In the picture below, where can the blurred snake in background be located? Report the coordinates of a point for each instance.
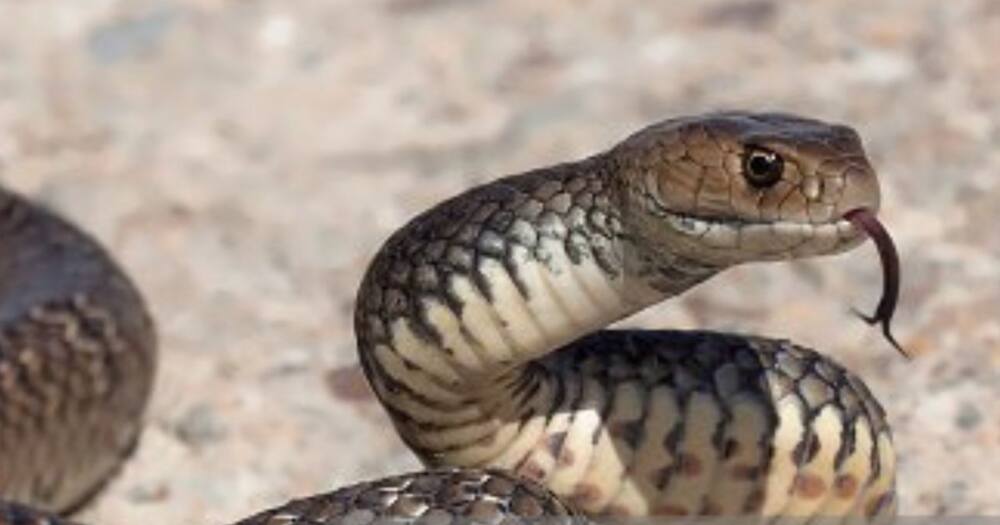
(480, 326)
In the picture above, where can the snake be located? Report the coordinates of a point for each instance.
(482, 326)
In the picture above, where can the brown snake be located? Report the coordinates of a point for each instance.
(479, 327)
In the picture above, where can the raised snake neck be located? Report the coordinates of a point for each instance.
(469, 325)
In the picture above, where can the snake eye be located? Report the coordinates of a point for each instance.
(762, 168)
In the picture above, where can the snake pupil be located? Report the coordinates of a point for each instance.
(763, 168)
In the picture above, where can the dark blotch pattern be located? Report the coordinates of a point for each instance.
(724, 367)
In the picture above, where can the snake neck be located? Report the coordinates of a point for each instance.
(461, 300)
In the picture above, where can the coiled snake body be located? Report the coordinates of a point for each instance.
(479, 327)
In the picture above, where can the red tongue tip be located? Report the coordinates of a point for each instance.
(864, 219)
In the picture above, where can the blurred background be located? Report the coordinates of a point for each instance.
(244, 159)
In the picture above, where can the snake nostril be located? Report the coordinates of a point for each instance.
(812, 188)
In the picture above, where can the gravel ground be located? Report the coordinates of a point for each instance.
(244, 159)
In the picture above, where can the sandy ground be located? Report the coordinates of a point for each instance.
(245, 159)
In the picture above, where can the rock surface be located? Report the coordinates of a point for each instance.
(245, 159)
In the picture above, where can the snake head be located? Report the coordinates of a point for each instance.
(741, 187)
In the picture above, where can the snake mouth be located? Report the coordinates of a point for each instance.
(842, 222)
(767, 240)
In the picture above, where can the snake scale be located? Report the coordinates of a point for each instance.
(480, 326)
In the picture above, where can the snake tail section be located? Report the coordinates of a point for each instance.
(438, 497)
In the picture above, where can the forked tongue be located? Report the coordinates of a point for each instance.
(865, 220)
